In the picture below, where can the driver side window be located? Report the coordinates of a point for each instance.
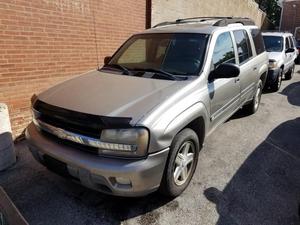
(223, 51)
(287, 44)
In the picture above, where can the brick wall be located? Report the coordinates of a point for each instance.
(290, 15)
(163, 10)
(43, 42)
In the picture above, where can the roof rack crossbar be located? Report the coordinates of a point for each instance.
(221, 21)
(203, 18)
(233, 20)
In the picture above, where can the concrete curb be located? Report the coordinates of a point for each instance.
(7, 151)
(9, 212)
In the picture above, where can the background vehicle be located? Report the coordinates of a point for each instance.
(137, 125)
(297, 41)
(298, 49)
(282, 55)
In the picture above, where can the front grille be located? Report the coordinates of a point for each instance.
(77, 122)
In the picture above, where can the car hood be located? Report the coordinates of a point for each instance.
(112, 95)
(277, 56)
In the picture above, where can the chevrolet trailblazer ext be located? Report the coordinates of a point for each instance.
(137, 124)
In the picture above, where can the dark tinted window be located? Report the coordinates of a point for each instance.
(258, 41)
(223, 51)
(243, 45)
(287, 43)
(273, 43)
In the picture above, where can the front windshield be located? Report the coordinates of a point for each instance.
(273, 43)
(178, 54)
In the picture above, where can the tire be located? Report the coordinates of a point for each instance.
(290, 73)
(174, 183)
(253, 106)
(277, 84)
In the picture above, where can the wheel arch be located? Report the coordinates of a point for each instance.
(198, 126)
(263, 78)
(195, 118)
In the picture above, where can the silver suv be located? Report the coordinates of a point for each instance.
(137, 124)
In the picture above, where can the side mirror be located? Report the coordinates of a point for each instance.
(225, 70)
(107, 59)
(290, 50)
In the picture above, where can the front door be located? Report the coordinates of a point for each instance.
(224, 93)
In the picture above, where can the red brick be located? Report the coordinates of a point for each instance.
(45, 42)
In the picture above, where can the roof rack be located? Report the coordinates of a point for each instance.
(221, 21)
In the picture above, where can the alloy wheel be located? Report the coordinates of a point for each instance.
(183, 163)
(257, 98)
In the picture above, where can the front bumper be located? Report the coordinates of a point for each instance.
(96, 172)
(272, 76)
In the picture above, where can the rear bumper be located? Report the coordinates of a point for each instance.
(96, 172)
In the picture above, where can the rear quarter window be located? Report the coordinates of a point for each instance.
(258, 41)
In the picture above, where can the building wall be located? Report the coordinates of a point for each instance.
(43, 42)
(290, 15)
(164, 10)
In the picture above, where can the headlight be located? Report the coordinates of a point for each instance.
(273, 64)
(131, 141)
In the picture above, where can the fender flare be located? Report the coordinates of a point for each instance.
(196, 111)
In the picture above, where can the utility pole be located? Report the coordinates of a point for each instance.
(294, 20)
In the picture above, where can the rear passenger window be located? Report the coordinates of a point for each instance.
(223, 51)
(243, 45)
(258, 41)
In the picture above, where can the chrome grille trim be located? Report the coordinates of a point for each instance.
(67, 135)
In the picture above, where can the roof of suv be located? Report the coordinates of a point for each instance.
(204, 25)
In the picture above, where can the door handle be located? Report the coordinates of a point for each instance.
(237, 80)
(255, 68)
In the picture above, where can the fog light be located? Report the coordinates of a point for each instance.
(123, 181)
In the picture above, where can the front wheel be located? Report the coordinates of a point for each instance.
(181, 164)
(253, 106)
(290, 73)
(277, 84)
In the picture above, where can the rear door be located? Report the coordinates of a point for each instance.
(248, 68)
(261, 58)
(224, 93)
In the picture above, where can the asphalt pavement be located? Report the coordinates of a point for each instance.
(248, 173)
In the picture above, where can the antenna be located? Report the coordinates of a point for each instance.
(95, 34)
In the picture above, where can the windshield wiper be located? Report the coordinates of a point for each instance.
(160, 72)
(118, 66)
